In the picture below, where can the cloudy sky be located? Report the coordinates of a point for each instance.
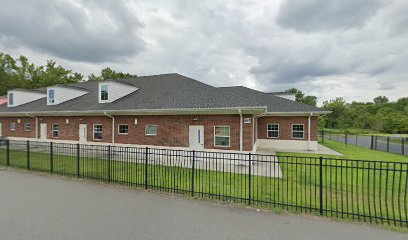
(357, 49)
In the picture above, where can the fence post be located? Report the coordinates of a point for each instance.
(388, 144)
(51, 157)
(78, 160)
(146, 167)
(375, 142)
(192, 174)
(403, 146)
(28, 155)
(321, 184)
(8, 152)
(372, 142)
(345, 138)
(322, 136)
(249, 179)
(109, 163)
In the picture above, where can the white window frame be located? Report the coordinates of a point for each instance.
(93, 132)
(100, 92)
(48, 97)
(123, 125)
(10, 103)
(298, 131)
(25, 127)
(149, 134)
(12, 128)
(52, 130)
(267, 130)
(229, 137)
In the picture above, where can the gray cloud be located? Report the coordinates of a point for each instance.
(355, 49)
(91, 31)
(326, 15)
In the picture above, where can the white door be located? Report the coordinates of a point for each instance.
(82, 133)
(43, 131)
(196, 137)
(1, 132)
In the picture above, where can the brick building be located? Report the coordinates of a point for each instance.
(168, 110)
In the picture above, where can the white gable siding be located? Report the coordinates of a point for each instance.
(287, 96)
(116, 91)
(62, 94)
(22, 97)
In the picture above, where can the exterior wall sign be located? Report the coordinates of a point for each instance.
(247, 120)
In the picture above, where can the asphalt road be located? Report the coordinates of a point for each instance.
(47, 207)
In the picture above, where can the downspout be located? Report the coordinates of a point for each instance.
(36, 124)
(240, 129)
(308, 130)
(113, 126)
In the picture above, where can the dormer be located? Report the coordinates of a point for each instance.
(112, 90)
(19, 96)
(61, 93)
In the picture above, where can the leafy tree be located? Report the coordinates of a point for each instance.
(20, 73)
(381, 100)
(108, 73)
(300, 97)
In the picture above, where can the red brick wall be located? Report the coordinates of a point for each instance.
(19, 132)
(285, 127)
(172, 130)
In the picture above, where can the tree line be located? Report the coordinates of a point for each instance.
(380, 115)
(20, 73)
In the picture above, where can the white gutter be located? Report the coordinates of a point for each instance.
(113, 126)
(240, 130)
(308, 130)
(226, 110)
(36, 124)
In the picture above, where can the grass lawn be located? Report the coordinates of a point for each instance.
(354, 152)
(350, 189)
(359, 131)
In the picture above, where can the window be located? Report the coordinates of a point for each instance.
(298, 131)
(97, 131)
(273, 130)
(104, 92)
(221, 136)
(12, 126)
(55, 130)
(123, 129)
(51, 94)
(11, 99)
(27, 127)
(151, 130)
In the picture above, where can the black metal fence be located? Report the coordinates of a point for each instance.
(370, 191)
(398, 145)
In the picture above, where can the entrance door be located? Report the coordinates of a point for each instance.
(1, 132)
(196, 137)
(82, 133)
(43, 131)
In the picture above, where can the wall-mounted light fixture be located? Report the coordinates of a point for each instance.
(19, 120)
(195, 119)
(135, 121)
(66, 121)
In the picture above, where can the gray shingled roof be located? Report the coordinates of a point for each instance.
(274, 103)
(166, 91)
